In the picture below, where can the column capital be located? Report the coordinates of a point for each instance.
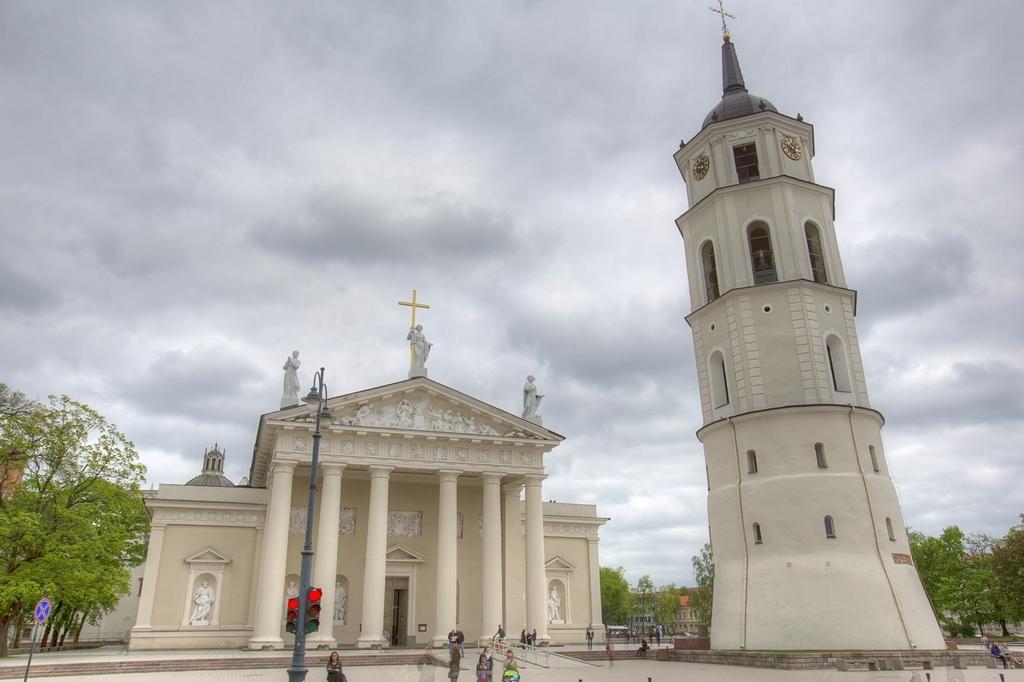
(530, 480)
(282, 467)
(379, 471)
(449, 474)
(332, 468)
(593, 541)
(512, 488)
(491, 477)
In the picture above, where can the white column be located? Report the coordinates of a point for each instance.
(266, 632)
(144, 620)
(447, 555)
(536, 582)
(376, 560)
(325, 561)
(515, 580)
(595, 585)
(491, 578)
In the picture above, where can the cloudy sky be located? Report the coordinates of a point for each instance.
(191, 190)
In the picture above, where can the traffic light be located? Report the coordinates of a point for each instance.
(313, 597)
(293, 615)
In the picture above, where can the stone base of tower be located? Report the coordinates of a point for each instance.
(809, 544)
(843, 602)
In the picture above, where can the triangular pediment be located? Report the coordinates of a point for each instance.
(208, 556)
(559, 563)
(404, 555)
(421, 405)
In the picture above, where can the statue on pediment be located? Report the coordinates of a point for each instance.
(531, 399)
(420, 346)
(290, 394)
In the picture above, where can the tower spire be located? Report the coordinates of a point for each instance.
(732, 77)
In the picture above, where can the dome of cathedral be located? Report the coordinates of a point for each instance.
(212, 480)
(736, 101)
(212, 475)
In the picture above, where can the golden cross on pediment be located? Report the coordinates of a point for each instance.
(720, 10)
(414, 305)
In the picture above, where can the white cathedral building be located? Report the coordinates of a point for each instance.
(430, 516)
(809, 544)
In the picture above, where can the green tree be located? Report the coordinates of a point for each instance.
(1008, 570)
(666, 603)
(956, 570)
(615, 598)
(74, 525)
(704, 573)
(642, 594)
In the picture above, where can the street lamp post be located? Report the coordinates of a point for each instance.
(316, 397)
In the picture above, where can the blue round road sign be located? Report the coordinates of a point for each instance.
(42, 611)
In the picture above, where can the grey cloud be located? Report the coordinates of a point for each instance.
(439, 231)
(205, 383)
(898, 273)
(969, 392)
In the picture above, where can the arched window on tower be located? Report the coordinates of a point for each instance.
(707, 257)
(762, 260)
(830, 528)
(813, 235)
(874, 458)
(838, 365)
(757, 534)
(888, 528)
(751, 462)
(719, 380)
(819, 454)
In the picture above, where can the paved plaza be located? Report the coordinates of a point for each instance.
(562, 670)
(624, 671)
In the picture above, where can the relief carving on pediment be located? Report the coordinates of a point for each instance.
(420, 414)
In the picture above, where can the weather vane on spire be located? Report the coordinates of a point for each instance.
(721, 11)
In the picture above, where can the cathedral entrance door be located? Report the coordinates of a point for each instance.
(396, 610)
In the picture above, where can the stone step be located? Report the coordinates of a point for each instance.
(75, 668)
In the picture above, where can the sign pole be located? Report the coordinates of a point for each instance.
(31, 648)
(39, 615)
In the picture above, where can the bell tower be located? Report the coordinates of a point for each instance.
(809, 543)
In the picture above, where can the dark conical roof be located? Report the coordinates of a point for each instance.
(736, 101)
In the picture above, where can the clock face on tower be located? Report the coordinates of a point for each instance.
(791, 147)
(700, 166)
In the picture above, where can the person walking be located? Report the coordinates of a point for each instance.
(455, 664)
(522, 637)
(334, 671)
(484, 666)
(460, 639)
(590, 638)
(499, 636)
(453, 641)
(609, 649)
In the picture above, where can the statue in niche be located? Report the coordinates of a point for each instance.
(340, 598)
(405, 416)
(290, 395)
(203, 600)
(420, 346)
(531, 400)
(554, 604)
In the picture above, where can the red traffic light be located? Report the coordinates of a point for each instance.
(314, 594)
(293, 604)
